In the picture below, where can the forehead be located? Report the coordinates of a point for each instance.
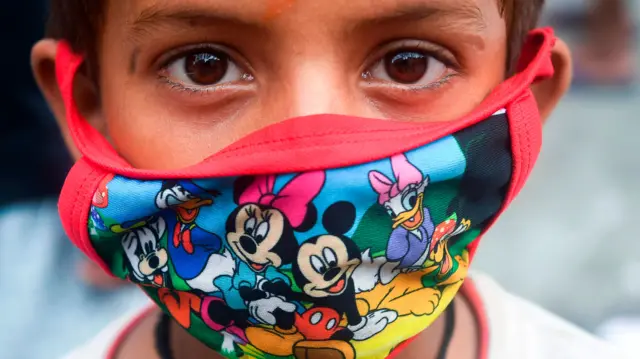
(277, 7)
(265, 11)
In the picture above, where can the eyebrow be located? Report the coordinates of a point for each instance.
(466, 12)
(154, 16)
(463, 13)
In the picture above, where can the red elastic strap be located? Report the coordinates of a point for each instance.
(311, 143)
(525, 128)
(89, 141)
(74, 207)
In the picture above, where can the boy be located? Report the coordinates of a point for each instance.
(359, 252)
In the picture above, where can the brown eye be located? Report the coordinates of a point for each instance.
(406, 67)
(206, 68)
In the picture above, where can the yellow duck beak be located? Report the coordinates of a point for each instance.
(196, 203)
(413, 218)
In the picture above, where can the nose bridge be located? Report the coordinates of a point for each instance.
(319, 85)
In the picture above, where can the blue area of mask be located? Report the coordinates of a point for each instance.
(130, 200)
(441, 160)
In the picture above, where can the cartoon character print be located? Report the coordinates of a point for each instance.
(180, 304)
(421, 254)
(96, 220)
(100, 200)
(186, 199)
(148, 266)
(323, 271)
(147, 261)
(439, 255)
(383, 286)
(404, 201)
(260, 234)
(322, 335)
(191, 248)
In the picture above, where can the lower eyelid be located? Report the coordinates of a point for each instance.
(226, 97)
(438, 83)
(178, 86)
(412, 88)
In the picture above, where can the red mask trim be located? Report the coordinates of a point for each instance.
(304, 143)
(313, 142)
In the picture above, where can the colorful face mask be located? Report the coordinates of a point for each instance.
(319, 237)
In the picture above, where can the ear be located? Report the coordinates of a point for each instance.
(310, 219)
(549, 91)
(43, 63)
(339, 218)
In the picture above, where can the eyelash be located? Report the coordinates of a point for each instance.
(432, 86)
(434, 51)
(176, 86)
(175, 55)
(437, 53)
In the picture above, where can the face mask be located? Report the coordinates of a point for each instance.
(319, 237)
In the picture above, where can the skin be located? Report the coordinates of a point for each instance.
(277, 7)
(329, 64)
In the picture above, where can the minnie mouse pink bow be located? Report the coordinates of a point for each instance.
(293, 199)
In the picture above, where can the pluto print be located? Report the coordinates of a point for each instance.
(322, 264)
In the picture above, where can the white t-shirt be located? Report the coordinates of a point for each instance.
(519, 329)
(511, 328)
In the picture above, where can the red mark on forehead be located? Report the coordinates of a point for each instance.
(276, 7)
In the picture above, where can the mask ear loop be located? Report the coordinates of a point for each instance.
(537, 51)
(91, 143)
(534, 65)
(82, 178)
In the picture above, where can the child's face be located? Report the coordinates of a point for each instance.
(197, 75)
(180, 80)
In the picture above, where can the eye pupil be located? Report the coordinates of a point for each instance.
(406, 67)
(206, 68)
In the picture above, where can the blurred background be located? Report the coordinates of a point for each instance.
(563, 244)
(48, 304)
(567, 242)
